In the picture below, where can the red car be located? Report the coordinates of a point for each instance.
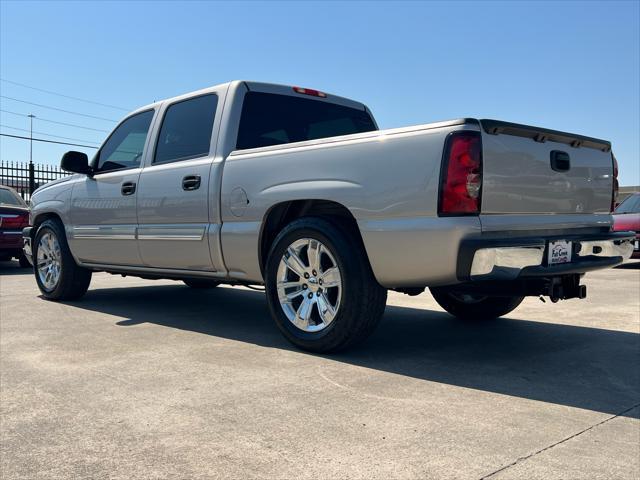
(14, 216)
(627, 217)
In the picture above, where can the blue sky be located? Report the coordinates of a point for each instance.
(569, 66)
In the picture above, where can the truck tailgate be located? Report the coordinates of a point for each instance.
(530, 170)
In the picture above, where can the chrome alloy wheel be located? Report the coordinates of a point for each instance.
(309, 285)
(49, 260)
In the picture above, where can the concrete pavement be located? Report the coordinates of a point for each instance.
(150, 379)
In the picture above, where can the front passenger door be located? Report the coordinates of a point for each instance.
(103, 214)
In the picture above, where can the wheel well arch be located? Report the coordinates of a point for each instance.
(281, 214)
(41, 218)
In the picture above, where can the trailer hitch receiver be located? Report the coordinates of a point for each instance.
(566, 287)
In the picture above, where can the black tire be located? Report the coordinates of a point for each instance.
(74, 280)
(24, 263)
(362, 301)
(200, 283)
(474, 307)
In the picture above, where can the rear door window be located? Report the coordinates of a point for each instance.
(186, 129)
(272, 119)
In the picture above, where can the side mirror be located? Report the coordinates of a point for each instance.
(76, 162)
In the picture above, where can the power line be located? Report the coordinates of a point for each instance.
(46, 141)
(63, 95)
(54, 121)
(58, 109)
(49, 134)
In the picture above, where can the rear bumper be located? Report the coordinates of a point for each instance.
(498, 259)
(10, 243)
(26, 244)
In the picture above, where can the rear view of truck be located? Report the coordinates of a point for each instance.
(543, 199)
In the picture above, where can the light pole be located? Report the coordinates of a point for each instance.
(31, 117)
(32, 180)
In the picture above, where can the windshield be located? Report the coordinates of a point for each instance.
(271, 119)
(629, 205)
(7, 197)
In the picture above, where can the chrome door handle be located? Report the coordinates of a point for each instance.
(191, 182)
(128, 188)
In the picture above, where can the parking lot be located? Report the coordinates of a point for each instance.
(150, 379)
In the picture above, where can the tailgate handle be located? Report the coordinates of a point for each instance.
(560, 161)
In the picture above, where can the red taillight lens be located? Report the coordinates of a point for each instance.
(14, 221)
(616, 185)
(461, 182)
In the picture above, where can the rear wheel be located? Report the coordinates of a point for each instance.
(200, 283)
(471, 306)
(320, 288)
(57, 274)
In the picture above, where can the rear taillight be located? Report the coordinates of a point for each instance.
(616, 185)
(12, 221)
(461, 175)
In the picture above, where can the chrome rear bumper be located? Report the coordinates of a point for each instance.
(503, 263)
(507, 260)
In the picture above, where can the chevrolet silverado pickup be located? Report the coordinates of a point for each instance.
(298, 190)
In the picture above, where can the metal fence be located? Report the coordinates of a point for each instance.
(25, 177)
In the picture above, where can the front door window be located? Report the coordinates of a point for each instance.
(124, 147)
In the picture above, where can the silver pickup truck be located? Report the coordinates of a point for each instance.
(297, 190)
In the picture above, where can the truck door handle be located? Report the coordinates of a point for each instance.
(128, 188)
(191, 182)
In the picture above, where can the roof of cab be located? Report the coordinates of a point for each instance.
(254, 86)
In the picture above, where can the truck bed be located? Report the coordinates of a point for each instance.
(390, 179)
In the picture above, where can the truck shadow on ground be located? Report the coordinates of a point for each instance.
(12, 267)
(580, 367)
(630, 265)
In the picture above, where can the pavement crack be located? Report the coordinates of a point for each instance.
(549, 447)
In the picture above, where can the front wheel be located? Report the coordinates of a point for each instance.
(57, 274)
(471, 306)
(320, 288)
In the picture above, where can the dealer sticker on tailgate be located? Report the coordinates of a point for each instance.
(559, 252)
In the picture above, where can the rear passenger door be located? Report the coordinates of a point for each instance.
(174, 227)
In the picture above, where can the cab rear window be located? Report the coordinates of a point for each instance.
(271, 119)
